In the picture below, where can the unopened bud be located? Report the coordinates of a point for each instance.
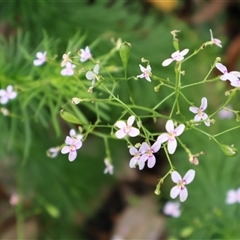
(76, 100)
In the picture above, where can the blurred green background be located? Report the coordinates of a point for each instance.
(64, 200)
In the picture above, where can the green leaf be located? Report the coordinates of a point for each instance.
(69, 117)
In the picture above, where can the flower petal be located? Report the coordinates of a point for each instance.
(151, 161)
(167, 62)
(134, 132)
(120, 134)
(78, 144)
(176, 177)
(90, 75)
(156, 146)
(142, 68)
(65, 150)
(174, 192)
(169, 126)
(130, 120)
(72, 133)
(183, 194)
(189, 176)
(184, 52)
(120, 124)
(72, 156)
(172, 145)
(133, 151)
(69, 141)
(144, 147)
(163, 137)
(193, 109)
(204, 103)
(133, 162)
(221, 68)
(179, 130)
(96, 68)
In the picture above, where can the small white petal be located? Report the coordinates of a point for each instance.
(174, 192)
(151, 161)
(120, 134)
(72, 156)
(65, 150)
(96, 68)
(156, 146)
(167, 62)
(172, 145)
(133, 162)
(169, 126)
(134, 132)
(144, 147)
(130, 120)
(184, 52)
(221, 68)
(183, 194)
(176, 177)
(189, 176)
(204, 103)
(120, 124)
(179, 129)
(163, 138)
(193, 109)
(133, 151)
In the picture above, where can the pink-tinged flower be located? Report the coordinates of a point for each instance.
(215, 40)
(73, 145)
(68, 71)
(136, 157)
(14, 199)
(180, 189)
(200, 114)
(146, 72)
(53, 152)
(236, 82)
(41, 58)
(92, 75)
(172, 209)
(231, 76)
(109, 166)
(233, 196)
(8, 94)
(66, 59)
(176, 56)
(147, 154)
(126, 128)
(85, 54)
(226, 113)
(171, 135)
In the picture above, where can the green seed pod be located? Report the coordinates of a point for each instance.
(228, 150)
(124, 52)
(69, 117)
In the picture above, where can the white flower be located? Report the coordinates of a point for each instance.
(226, 113)
(68, 71)
(85, 54)
(231, 76)
(146, 72)
(215, 40)
(200, 114)
(147, 154)
(66, 59)
(92, 75)
(136, 157)
(172, 209)
(176, 56)
(73, 145)
(180, 189)
(109, 166)
(233, 196)
(126, 128)
(6, 95)
(171, 135)
(41, 58)
(53, 152)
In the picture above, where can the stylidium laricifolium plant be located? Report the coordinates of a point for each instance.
(100, 84)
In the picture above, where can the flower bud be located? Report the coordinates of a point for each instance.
(76, 101)
(124, 52)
